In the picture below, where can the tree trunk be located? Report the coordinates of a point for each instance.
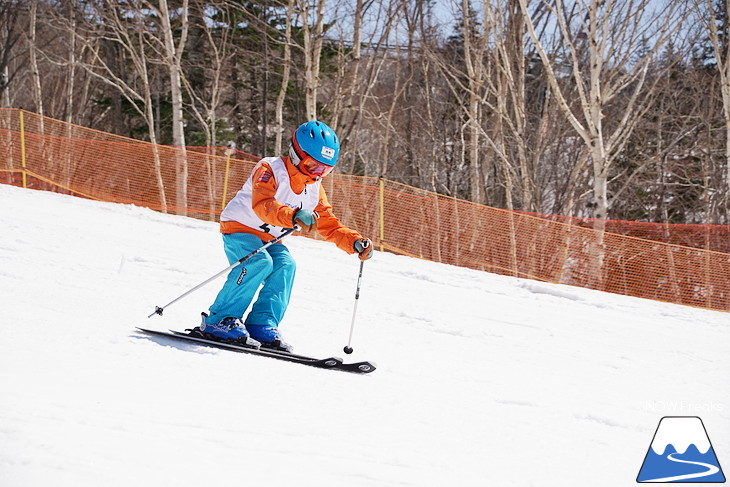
(286, 70)
(70, 86)
(313, 38)
(721, 48)
(33, 56)
(173, 57)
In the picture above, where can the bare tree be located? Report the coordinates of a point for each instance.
(285, 77)
(170, 50)
(13, 21)
(33, 57)
(475, 60)
(361, 61)
(388, 100)
(490, 80)
(608, 57)
(217, 48)
(126, 30)
(312, 51)
(721, 51)
(130, 28)
(70, 12)
(206, 100)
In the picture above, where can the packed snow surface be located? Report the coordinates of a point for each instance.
(482, 379)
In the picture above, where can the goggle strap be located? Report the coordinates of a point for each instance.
(298, 150)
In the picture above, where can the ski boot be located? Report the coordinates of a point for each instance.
(269, 337)
(229, 330)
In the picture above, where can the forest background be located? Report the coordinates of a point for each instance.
(613, 109)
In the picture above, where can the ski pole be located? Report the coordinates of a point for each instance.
(348, 347)
(160, 309)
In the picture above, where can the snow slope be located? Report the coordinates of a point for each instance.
(482, 379)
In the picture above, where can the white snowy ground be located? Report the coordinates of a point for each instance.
(482, 379)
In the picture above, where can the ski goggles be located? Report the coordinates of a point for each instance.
(314, 168)
(308, 164)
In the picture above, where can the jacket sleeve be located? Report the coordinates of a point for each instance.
(331, 229)
(263, 199)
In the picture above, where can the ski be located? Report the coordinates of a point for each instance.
(323, 363)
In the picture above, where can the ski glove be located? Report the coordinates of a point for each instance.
(364, 247)
(306, 219)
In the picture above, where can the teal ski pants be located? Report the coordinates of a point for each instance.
(274, 268)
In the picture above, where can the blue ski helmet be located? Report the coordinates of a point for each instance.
(316, 140)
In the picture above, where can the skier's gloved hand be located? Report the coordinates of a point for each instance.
(306, 219)
(364, 247)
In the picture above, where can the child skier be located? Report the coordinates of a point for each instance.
(280, 193)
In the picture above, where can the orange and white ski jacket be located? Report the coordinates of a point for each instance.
(266, 204)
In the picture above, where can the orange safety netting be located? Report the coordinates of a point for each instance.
(685, 264)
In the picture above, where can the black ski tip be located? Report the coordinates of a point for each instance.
(359, 367)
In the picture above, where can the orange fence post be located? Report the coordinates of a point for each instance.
(225, 178)
(382, 213)
(22, 150)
